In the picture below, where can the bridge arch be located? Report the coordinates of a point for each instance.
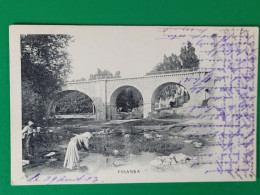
(89, 110)
(121, 108)
(169, 95)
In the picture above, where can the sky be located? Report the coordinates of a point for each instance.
(133, 51)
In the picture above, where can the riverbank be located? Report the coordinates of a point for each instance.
(117, 143)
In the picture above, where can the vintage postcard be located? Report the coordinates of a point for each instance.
(132, 104)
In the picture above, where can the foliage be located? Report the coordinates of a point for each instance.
(169, 91)
(188, 57)
(45, 65)
(32, 103)
(169, 63)
(117, 74)
(187, 60)
(74, 102)
(166, 92)
(105, 74)
(45, 61)
(128, 100)
(81, 79)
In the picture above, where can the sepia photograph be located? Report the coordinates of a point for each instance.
(132, 104)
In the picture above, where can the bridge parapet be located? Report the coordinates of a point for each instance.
(101, 91)
(165, 74)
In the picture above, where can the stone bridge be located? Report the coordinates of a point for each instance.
(104, 92)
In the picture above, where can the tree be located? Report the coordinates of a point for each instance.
(173, 92)
(32, 104)
(188, 57)
(74, 102)
(45, 66)
(45, 61)
(169, 63)
(105, 74)
(187, 60)
(128, 100)
(117, 74)
(166, 92)
(81, 79)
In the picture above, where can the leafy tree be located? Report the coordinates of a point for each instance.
(127, 100)
(166, 92)
(45, 66)
(188, 57)
(33, 103)
(104, 75)
(45, 61)
(74, 102)
(187, 60)
(169, 63)
(81, 79)
(117, 74)
(175, 91)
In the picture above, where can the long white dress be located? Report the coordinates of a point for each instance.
(72, 159)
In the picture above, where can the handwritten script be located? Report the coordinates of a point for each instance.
(54, 179)
(230, 57)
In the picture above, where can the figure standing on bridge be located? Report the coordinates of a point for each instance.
(72, 160)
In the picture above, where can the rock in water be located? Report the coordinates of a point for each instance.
(52, 160)
(158, 136)
(197, 144)
(102, 132)
(118, 163)
(50, 154)
(116, 152)
(187, 141)
(106, 131)
(156, 163)
(167, 162)
(162, 162)
(148, 136)
(180, 158)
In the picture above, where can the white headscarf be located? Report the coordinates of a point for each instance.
(30, 123)
(87, 135)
